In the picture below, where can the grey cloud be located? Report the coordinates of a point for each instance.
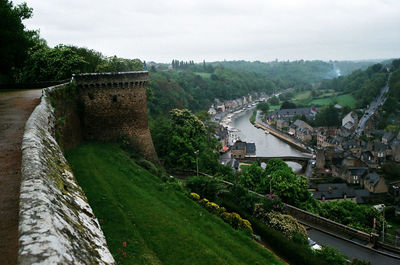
(215, 30)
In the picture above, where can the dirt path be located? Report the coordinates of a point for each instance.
(15, 109)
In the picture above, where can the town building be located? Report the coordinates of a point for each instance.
(288, 114)
(334, 192)
(301, 130)
(350, 121)
(242, 149)
(375, 183)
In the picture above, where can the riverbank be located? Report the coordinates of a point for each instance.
(287, 139)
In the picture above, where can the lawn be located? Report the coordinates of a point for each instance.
(159, 224)
(302, 95)
(326, 98)
(343, 100)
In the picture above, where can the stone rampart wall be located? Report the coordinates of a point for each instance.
(57, 225)
(114, 106)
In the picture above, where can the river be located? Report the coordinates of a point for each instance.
(267, 145)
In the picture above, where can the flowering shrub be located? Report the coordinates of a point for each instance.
(212, 207)
(233, 219)
(203, 202)
(236, 221)
(281, 222)
(195, 196)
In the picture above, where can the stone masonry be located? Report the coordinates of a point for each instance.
(114, 106)
(56, 222)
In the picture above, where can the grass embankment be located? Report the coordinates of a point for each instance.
(159, 224)
(324, 98)
(253, 116)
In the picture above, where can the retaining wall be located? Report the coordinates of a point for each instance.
(330, 225)
(57, 225)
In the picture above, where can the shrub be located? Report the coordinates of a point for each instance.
(195, 196)
(233, 219)
(212, 207)
(331, 255)
(203, 201)
(243, 198)
(204, 186)
(283, 223)
(290, 250)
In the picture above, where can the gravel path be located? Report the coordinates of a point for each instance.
(15, 109)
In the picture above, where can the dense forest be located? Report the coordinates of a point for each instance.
(297, 74)
(364, 85)
(391, 109)
(197, 90)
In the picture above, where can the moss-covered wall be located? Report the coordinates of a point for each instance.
(57, 225)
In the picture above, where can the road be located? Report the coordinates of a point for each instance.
(15, 109)
(351, 250)
(372, 109)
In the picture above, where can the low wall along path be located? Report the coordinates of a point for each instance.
(57, 225)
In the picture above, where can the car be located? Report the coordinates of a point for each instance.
(314, 245)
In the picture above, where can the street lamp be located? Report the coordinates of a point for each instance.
(270, 182)
(383, 225)
(197, 161)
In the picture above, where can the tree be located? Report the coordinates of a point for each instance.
(182, 139)
(47, 64)
(252, 177)
(291, 188)
(288, 105)
(328, 116)
(263, 106)
(15, 40)
(274, 101)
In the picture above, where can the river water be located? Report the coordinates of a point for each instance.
(267, 145)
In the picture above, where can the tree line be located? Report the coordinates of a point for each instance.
(26, 57)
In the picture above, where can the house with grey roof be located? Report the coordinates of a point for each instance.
(288, 114)
(375, 183)
(334, 192)
(350, 121)
(387, 137)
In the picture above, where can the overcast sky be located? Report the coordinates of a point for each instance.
(264, 30)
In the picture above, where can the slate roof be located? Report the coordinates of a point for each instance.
(379, 147)
(361, 194)
(332, 186)
(250, 148)
(284, 113)
(358, 171)
(349, 144)
(239, 145)
(334, 194)
(388, 136)
(372, 178)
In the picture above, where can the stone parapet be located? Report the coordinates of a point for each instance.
(57, 225)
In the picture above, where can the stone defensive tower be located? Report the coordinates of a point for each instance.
(114, 106)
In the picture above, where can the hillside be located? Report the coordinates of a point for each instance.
(159, 224)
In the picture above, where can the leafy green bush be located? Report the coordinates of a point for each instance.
(243, 198)
(331, 255)
(204, 186)
(290, 250)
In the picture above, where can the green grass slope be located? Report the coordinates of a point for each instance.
(159, 224)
